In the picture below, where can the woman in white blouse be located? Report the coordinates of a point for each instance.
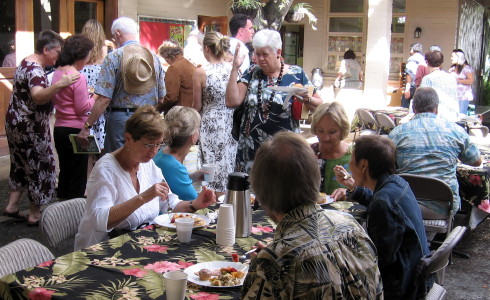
(350, 72)
(125, 187)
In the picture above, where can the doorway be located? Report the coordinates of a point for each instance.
(293, 37)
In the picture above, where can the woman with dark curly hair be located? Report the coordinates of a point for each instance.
(72, 104)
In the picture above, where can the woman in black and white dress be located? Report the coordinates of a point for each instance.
(217, 145)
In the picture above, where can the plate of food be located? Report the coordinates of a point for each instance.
(220, 274)
(324, 199)
(288, 89)
(168, 220)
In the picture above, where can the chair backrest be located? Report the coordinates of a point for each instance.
(366, 118)
(60, 220)
(385, 123)
(440, 259)
(21, 254)
(481, 131)
(428, 189)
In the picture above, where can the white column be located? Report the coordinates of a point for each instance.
(378, 52)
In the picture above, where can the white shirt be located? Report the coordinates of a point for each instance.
(243, 51)
(110, 185)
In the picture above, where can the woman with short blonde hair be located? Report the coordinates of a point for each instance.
(331, 125)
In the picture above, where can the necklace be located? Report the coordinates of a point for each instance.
(266, 105)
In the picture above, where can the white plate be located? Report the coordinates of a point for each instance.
(164, 220)
(213, 265)
(329, 200)
(288, 89)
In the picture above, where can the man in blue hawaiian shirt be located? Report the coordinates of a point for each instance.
(432, 146)
(130, 76)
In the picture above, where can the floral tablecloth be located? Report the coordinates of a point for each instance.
(131, 266)
(474, 185)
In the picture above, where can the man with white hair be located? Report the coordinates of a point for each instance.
(131, 76)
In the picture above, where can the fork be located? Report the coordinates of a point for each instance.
(169, 208)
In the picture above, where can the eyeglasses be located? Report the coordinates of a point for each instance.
(153, 146)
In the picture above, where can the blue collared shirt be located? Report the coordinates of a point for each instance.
(431, 146)
(110, 83)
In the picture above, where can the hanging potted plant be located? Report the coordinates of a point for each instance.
(298, 11)
(246, 7)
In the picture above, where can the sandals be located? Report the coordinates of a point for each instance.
(20, 218)
(16, 215)
(33, 224)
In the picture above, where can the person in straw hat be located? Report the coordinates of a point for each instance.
(130, 76)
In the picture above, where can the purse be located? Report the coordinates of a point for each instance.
(237, 121)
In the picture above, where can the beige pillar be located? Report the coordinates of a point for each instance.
(377, 52)
(128, 8)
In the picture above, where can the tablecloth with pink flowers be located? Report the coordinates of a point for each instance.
(130, 266)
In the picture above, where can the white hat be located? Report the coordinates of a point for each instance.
(138, 70)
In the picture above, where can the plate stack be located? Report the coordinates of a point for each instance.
(225, 229)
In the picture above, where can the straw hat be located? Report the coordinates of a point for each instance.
(138, 70)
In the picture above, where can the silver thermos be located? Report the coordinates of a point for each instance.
(238, 195)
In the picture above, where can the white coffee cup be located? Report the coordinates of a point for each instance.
(175, 284)
(184, 228)
(211, 169)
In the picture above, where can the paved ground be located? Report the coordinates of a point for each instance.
(466, 279)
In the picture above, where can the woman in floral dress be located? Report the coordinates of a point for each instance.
(217, 145)
(32, 165)
(265, 111)
(95, 32)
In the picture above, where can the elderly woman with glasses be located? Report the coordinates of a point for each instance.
(126, 189)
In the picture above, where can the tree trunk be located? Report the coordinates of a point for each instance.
(273, 13)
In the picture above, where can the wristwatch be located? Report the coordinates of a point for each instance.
(87, 125)
(349, 192)
(192, 208)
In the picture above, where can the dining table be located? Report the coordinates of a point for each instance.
(131, 266)
(474, 184)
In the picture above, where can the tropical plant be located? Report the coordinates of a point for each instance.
(297, 12)
(246, 4)
(270, 13)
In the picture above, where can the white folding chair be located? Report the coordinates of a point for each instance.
(385, 123)
(367, 122)
(478, 130)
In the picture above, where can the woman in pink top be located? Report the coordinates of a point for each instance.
(72, 105)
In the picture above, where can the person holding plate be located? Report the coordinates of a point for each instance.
(126, 189)
(266, 111)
